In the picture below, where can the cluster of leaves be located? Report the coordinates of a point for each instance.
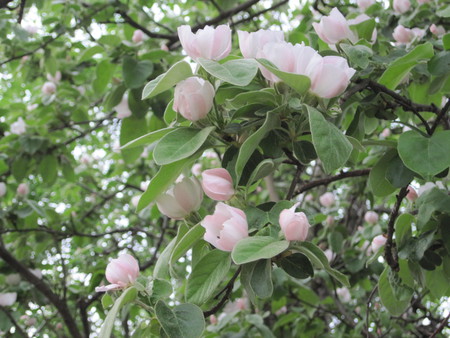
(274, 140)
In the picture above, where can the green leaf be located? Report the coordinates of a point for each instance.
(300, 83)
(446, 41)
(185, 321)
(444, 12)
(179, 144)
(178, 72)
(359, 55)
(20, 167)
(107, 301)
(429, 202)
(114, 97)
(103, 76)
(206, 276)
(439, 64)
(162, 265)
(261, 279)
(332, 147)
(136, 72)
(127, 296)
(263, 169)
(186, 242)
(131, 128)
(297, 265)
(251, 249)
(90, 52)
(249, 146)
(48, 168)
(238, 72)
(395, 306)
(378, 183)
(304, 151)
(427, 156)
(398, 174)
(398, 69)
(403, 229)
(166, 175)
(364, 29)
(147, 138)
(318, 258)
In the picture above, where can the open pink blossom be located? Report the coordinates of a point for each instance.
(401, 6)
(226, 227)
(294, 225)
(217, 184)
(208, 43)
(331, 77)
(250, 43)
(364, 4)
(120, 272)
(334, 28)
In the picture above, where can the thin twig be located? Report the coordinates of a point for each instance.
(325, 181)
(228, 288)
(441, 326)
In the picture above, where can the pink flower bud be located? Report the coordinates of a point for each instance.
(120, 272)
(19, 127)
(377, 243)
(364, 4)
(401, 6)
(122, 109)
(437, 30)
(2, 189)
(327, 199)
(208, 43)
(217, 184)
(56, 78)
(226, 227)
(23, 190)
(59, 326)
(8, 299)
(30, 321)
(48, 88)
(331, 77)
(250, 43)
(294, 225)
(330, 220)
(196, 169)
(135, 200)
(412, 194)
(371, 217)
(213, 319)
(138, 36)
(193, 98)
(183, 198)
(334, 28)
(403, 35)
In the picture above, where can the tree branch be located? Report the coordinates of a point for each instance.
(325, 181)
(440, 116)
(227, 289)
(390, 253)
(42, 287)
(254, 15)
